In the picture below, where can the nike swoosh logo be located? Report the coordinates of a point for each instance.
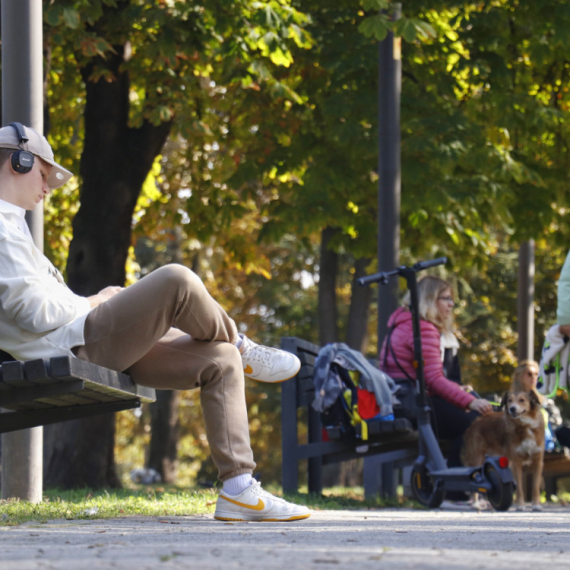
(248, 369)
(259, 507)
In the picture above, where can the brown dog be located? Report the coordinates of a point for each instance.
(517, 433)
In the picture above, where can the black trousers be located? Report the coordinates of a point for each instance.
(451, 423)
(563, 435)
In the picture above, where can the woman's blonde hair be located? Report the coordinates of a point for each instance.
(429, 289)
(518, 385)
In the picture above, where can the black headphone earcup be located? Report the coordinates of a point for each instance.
(22, 161)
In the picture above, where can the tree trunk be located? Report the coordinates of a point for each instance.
(357, 326)
(115, 162)
(164, 424)
(328, 269)
(80, 453)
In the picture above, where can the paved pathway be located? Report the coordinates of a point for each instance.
(356, 540)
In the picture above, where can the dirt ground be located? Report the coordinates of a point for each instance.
(364, 539)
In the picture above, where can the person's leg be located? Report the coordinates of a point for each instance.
(177, 362)
(451, 424)
(563, 435)
(122, 330)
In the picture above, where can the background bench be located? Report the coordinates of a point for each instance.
(41, 392)
(556, 466)
(393, 444)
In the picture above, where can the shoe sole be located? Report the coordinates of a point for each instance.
(274, 381)
(253, 519)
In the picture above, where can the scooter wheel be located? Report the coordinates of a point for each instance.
(424, 490)
(501, 494)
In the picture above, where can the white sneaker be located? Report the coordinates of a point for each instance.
(255, 504)
(266, 364)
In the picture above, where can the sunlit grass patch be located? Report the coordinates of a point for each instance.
(347, 498)
(103, 504)
(166, 500)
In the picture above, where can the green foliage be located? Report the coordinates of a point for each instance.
(275, 130)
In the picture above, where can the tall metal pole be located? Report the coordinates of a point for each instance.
(389, 88)
(22, 101)
(525, 301)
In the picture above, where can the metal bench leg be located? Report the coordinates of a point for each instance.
(289, 463)
(370, 477)
(379, 478)
(315, 463)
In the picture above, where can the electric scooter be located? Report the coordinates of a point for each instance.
(431, 477)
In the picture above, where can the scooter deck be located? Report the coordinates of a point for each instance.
(455, 472)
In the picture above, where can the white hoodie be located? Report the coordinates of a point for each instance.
(40, 316)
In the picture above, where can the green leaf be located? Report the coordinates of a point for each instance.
(376, 26)
(71, 17)
(53, 15)
(406, 29)
(424, 29)
(375, 4)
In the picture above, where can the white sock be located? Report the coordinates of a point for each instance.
(238, 342)
(237, 485)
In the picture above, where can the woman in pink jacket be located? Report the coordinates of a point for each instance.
(454, 407)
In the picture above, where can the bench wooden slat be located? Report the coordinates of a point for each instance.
(26, 398)
(307, 358)
(13, 374)
(99, 379)
(13, 421)
(305, 399)
(3, 387)
(37, 372)
(306, 384)
(39, 391)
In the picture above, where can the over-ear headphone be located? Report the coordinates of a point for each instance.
(22, 160)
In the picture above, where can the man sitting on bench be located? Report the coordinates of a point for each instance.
(165, 330)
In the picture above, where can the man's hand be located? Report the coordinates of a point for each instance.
(480, 405)
(103, 295)
(564, 330)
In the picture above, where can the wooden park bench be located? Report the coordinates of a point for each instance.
(556, 466)
(393, 443)
(40, 392)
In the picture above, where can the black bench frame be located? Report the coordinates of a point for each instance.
(40, 392)
(394, 442)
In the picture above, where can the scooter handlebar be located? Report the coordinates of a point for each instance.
(384, 277)
(377, 278)
(421, 265)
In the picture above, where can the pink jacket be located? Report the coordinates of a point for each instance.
(402, 342)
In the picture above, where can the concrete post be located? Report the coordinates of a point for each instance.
(22, 101)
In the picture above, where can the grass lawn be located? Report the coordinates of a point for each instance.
(160, 501)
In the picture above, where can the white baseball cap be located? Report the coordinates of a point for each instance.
(38, 145)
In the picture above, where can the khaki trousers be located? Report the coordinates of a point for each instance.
(169, 333)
